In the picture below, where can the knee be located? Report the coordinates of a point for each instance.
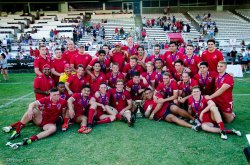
(112, 118)
(52, 128)
(204, 127)
(214, 109)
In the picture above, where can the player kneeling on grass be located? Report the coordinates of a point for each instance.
(166, 111)
(208, 114)
(81, 110)
(53, 107)
(104, 112)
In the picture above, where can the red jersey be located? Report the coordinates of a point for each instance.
(120, 58)
(94, 84)
(43, 83)
(153, 57)
(75, 83)
(39, 62)
(58, 65)
(158, 77)
(130, 71)
(212, 59)
(83, 59)
(135, 89)
(64, 95)
(104, 65)
(51, 110)
(227, 96)
(171, 58)
(186, 88)
(197, 106)
(112, 79)
(67, 55)
(131, 51)
(167, 90)
(149, 77)
(80, 104)
(119, 99)
(207, 83)
(176, 75)
(36, 52)
(104, 100)
(192, 63)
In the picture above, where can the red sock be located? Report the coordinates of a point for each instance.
(221, 125)
(33, 138)
(14, 125)
(118, 116)
(91, 115)
(20, 125)
(228, 131)
(66, 120)
(103, 121)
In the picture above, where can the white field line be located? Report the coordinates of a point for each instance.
(16, 83)
(15, 100)
(241, 94)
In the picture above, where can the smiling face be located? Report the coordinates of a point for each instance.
(172, 48)
(210, 46)
(221, 68)
(185, 77)
(54, 96)
(148, 94)
(166, 79)
(103, 88)
(189, 50)
(119, 86)
(85, 92)
(196, 92)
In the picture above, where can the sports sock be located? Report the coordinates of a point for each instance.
(103, 121)
(66, 120)
(33, 138)
(91, 115)
(221, 125)
(118, 116)
(14, 125)
(229, 131)
(20, 125)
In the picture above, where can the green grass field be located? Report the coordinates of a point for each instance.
(147, 143)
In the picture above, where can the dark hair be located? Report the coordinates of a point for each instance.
(195, 87)
(105, 45)
(173, 42)
(57, 49)
(3, 55)
(190, 45)
(158, 59)
(140, 47)
(147, 89)
(97, 62)
(179, 61)
(42, 46)
(157, 45)
(136, 74)
(86, 86)
(60, 83)
(211, 40)
(80, 66)
(53, 90)
(101, 51)
(115, 63)
(204, 63)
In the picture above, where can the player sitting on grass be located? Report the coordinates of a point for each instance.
(53, 108)
(208, 114)
(166, 111)
(79, 109)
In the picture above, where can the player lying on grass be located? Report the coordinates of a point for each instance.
(81, 110)
(208, 114)
(166, 111)
(45, 117)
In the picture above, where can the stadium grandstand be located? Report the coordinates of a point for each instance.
(78, 65)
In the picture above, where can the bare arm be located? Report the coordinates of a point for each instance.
(37, 71)
(127, 107)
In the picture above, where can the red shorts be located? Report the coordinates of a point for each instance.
(99, 113)
(207, 118)
(44, 122)
(226, 107)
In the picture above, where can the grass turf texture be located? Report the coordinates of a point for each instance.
(147, 143)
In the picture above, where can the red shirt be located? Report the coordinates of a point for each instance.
(104, 65)
(192, 63)
(64, 95)
(153, 57)
(176, 75)
(94, 84)
(171, 58)
(75, 83)
(186, 88)
(207, 83)
(149, 77)
(80, 104)
(43, 83)
(227, 96)
(197, 106)
(119, 99)
(167, 90)
(131, 51)
(37, 52)
(112, 79)
(120, 58)
(58, 65)
(135, 88)
(52, 110)
(158, 77)
(39, 62)
(67, 55)
(83, 59)
(104, 100)
(129, 71)
(212, 59)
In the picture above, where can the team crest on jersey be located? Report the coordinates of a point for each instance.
(49, 106)
(59, 106)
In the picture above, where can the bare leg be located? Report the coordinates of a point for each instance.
(82, 120)
(209, 127)
(48, 130)
(176, 110)
(173, 119)
(37, 117)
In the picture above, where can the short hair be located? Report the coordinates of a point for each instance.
(115, 63)
(204, 63)
(97, 62)
(42, 46)
(86, 86)
(134, 58)
(223, 62)
(80, 66)
(186, 73)
(150, 63)
(173, 42)
(148, 89)
(103, 83)
(105, 45)
(179, 61)
(157, 45)
(211, 40)
(3, 55)
(190, 45)
(53, 90)
(60, 83)
(120, 80)
(57, 49)
(140, 47)
(166, 74)
(158, 59)
(195, 87)
(101, 51)
(136, 74)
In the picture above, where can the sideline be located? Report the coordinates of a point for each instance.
(15, 100)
